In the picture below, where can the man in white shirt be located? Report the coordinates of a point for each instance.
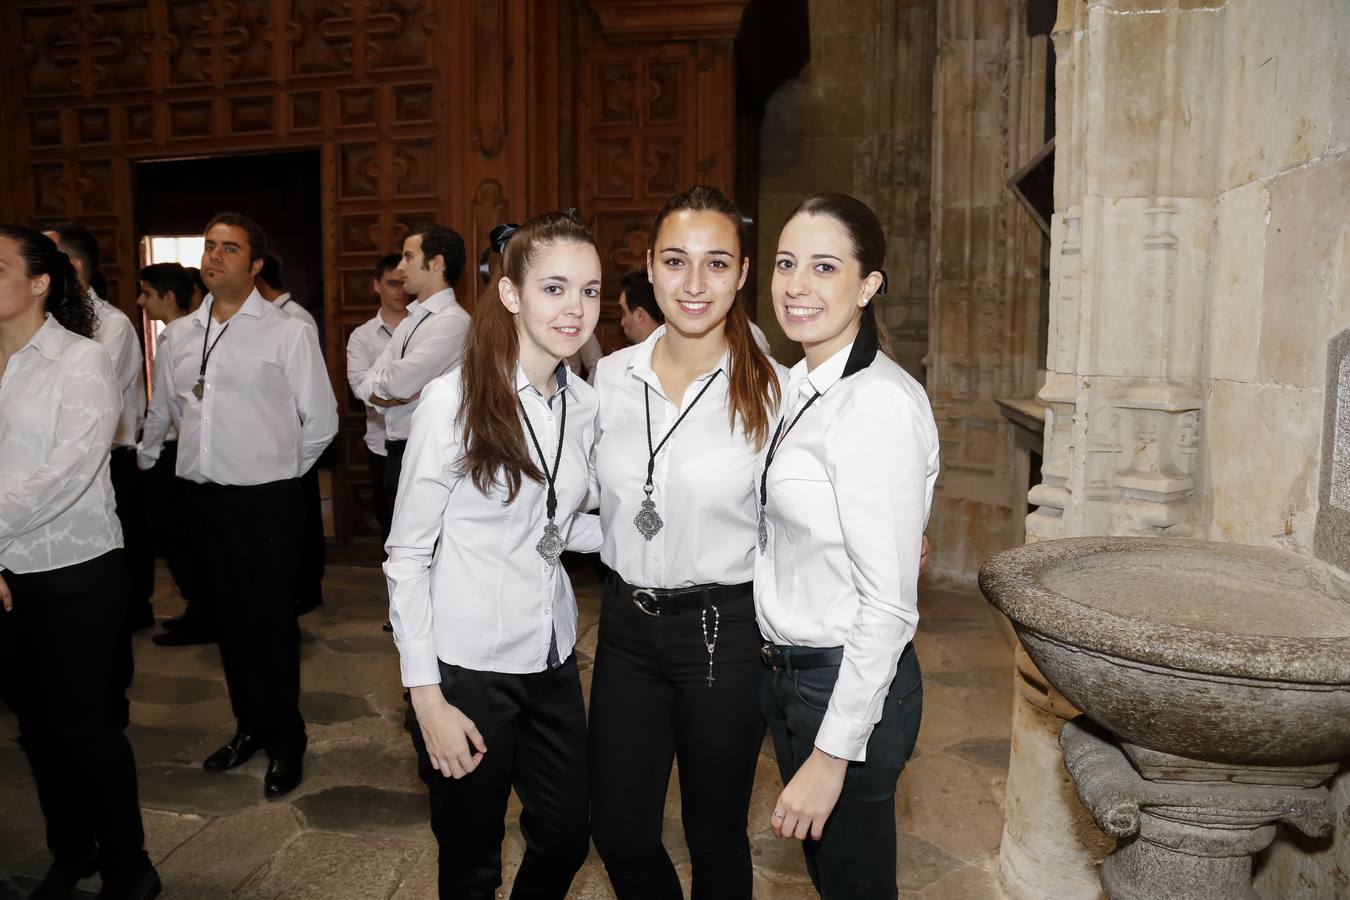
(363, 349)
(312, 545)
(249, 393)
(427, 344)
(273, 290)
(641, 314)
(117, 335)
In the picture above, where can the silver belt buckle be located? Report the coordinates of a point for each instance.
(640, 603)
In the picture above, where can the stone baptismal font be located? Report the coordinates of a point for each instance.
(1215, 685)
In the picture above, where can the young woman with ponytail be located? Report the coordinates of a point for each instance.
(845, 485)
(494, 479)
(682, 417)
(62, 575)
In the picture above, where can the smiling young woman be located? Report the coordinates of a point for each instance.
(682, 416)
(845, 486)
(494, 481)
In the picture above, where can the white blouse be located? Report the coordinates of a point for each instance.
(466, 585)
(117, 336)
(291, 307)
(704, 476)
(848, 498)
(59, 406)
(367, 342)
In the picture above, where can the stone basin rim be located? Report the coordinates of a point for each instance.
(1011, 582)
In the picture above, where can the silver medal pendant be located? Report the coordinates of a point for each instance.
(763, 531)
(199, 388)
(550, 546)
(648, 520)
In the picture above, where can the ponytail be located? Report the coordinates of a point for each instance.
(66, 301)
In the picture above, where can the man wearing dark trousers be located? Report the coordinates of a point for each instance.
(251, 396)
(115, 333)
(166, 296)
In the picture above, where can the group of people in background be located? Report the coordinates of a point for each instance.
(760, 530)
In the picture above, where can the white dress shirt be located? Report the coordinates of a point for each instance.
(466, 585)
(848, 498)
(268, 410)
(114, 331)
(59, 405)
(291, 307)
(704, 477)
(364, 346)
(418, 352)
(161, 419)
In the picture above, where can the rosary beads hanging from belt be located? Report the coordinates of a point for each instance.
(550, 546)
(779, 435)
(648, 520)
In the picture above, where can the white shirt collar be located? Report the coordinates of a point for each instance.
(47, 339)
(437, 301)
(561, 374)
(822, 377)
(254, 305)
(640, 363)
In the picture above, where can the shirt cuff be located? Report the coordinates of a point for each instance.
(144, 461)
(418, 663)
(843, 738)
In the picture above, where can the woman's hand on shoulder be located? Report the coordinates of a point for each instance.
(453, 742)
(806, 803)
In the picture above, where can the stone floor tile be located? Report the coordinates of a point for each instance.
(223, 855)
(951, 803)
(165, 832)
(21, 832)
(322, 866)
(169, 690)
(330, 708)
(362, 809)
(991, 753)
(158, 745)
(969, 882)
(420, 882)
(919, 863)
(191, 790)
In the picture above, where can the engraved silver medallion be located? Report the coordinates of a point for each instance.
(648, 520)
(550, 546)
(199, 388)
(763, 531)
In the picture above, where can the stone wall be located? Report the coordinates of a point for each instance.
(857, 120)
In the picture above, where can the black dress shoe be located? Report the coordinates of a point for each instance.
(141, 885)
(62, 877)
(183, 637)
(238, 751)
(284, 774)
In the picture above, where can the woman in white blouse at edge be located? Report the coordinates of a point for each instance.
(850, 474)
(62, 597)
(677, 666)
(495, 472)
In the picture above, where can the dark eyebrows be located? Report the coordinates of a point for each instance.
(684, 252)
(827, 256)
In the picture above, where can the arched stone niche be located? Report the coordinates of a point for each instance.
(1332, 537)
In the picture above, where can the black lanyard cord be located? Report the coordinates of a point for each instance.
(550, 477)
(416, 325)
(652, 451)
(779, 435)
(207, 351)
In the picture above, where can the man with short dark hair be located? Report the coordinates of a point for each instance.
(637, 301)
(166, 296)
(249, 391)
(363, 349)
(274, 291)
(427, 344)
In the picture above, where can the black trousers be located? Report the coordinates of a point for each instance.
(380, 493)
(310, 585)
(246, 538)
(534, 727)
(56, 665)
(650, 704)
(393, 468)
(169, 534)
(138, 573)
(855, 856)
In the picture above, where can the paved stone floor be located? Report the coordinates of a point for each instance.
(357, 826)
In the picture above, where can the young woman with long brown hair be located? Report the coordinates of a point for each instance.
(484, 616)
(682, 418)
(845, 486)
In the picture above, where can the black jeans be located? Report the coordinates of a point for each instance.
(169, 534)
(138, 572)
(651, 703)
(393, 468)
(534, 727)
(246, 539)
(855, 856)
(380, 495)
(56, 664)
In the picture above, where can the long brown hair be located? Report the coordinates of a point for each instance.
(494, 441)
(753, 384)
(868, 240)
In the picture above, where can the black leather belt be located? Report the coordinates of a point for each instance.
(673, 601)
(782, 656)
